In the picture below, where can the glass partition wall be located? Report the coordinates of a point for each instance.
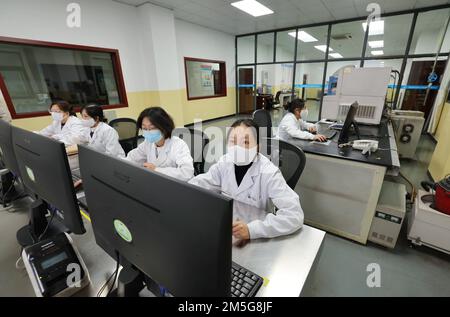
(276, 66)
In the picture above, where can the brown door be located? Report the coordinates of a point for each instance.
(414, 99)
(246, 93)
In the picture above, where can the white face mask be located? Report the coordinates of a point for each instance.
(241, 156)
(304, 114)
(88, 123)
(57, 116)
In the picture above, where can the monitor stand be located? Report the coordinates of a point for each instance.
(29, 234)
(345, 139)
(131, 282)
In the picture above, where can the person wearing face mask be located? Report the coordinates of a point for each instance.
(251, 179)
(294, 125)
(162, 152)
(66, 127)
(101, 136)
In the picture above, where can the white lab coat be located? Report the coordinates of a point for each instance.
(173, 158)
(4, 111)
(262, 182)
(72, 133)
(290, 127)
(106, 140)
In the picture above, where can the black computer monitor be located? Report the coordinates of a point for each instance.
(177, 234)
(7, 154)
(45, 170)
(349, 122)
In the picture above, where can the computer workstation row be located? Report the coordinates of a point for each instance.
(134, 219)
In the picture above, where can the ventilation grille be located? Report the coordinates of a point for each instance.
(363, 112)
(382, 237)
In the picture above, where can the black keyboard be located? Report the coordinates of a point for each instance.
(329, 134)
(244, 283)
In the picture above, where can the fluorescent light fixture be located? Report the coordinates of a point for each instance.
(252, 7)
(336, 55)
(377, 53)
(304, 37)
(376, 44)
(375, 28)
(323, 48)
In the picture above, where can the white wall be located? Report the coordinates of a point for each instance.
(104, 24)
(200, 42)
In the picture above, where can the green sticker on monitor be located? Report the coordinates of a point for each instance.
(122, 231)
(30, 174)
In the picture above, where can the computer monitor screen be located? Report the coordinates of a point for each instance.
(44, 168)
(7, 155)
(349, 122)
(177, 234)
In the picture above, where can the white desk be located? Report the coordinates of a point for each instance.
(285, 262)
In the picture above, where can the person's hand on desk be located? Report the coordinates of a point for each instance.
(150, 166)
(77, 184)
(240, 230)
(320, 138)
(312, 129)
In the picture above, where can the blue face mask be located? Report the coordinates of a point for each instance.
(152, 136)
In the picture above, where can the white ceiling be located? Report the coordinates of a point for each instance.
(220, 15)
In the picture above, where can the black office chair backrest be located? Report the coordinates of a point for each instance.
(277, 97)
(263, 120)
(289, 158)
(197, 142)
(128, 132)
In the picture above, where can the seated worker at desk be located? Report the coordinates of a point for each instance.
(162, 152)
(294, 125)
(66, 127)
(101, 136)
(251, 180)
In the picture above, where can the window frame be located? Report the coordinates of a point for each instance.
(118, 74)
(327, 59)
(223, 77)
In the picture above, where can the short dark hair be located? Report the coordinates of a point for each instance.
(94, 111)
(295, 104)
(249, 123)
(159, 118)
(63, 105)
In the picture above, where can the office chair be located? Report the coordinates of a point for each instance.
(276, 102)
(128, 132)
(263, 120)
(197, 141)
(290, 159)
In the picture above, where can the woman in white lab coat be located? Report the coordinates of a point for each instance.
(252, 180)
(294, 125)
(66, 127)
(101, 136)
(162, 152)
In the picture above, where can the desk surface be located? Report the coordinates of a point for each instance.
(381, 157)
(285, 262)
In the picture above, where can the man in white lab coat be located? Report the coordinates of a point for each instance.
(294, 125)
(252, 180)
